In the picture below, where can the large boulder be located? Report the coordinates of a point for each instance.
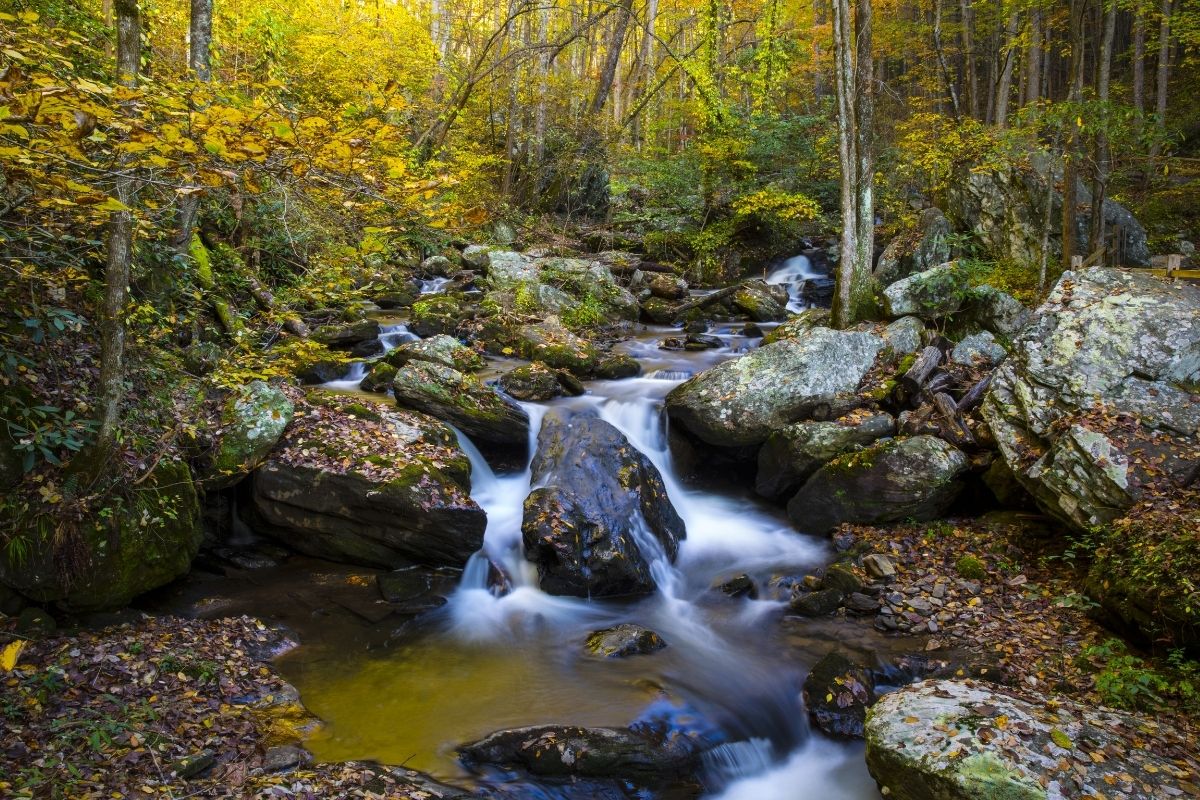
(742, 401)
(148, 538)
(664, 285)
(932, 294)
(436, 314)
(601, 513)
(967, 740)
(365, 483)
(462, 400)
(1095, 405)
(924, 247)
(792, 454)
(348, 334)
(252, 420)
(1005, 208)
(761, 302)
(581, 291)
(915, 478)
(563, 751)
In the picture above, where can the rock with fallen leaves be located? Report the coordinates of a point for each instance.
(359, 481)
(1099, 402)
(967, 740)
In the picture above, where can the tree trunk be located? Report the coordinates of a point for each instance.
(854, 74)
(941, 57)
(1100, 178)
(1164, 67)
(968, 46)
(612, 60)
(1004, 86)
(1070, 195)
(200, 39)
(120, 248)
(1033, 60)
(1139, 61)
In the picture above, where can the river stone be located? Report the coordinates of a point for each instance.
(1109, 341)
(408, 501)
(937, 292)
(905, 335)
(968, 740)
(761, 302)
(148, 540)
(532, 383)
(659, 284)
(555, 346)
(463, 400)
(618, 366)
(626, 639)
(252, 421)
(915, 478)
(567, 750)
(437, 265)
(441, 349)
(820, 603)
(378, 378)
(837, 694)
(599, 514)
(792, 454)
(925, 247)
(742, 401)
(347, 335)
(978, 350)
(436, 314)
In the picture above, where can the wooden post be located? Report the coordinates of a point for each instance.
(1076, 262)
(1174, 262)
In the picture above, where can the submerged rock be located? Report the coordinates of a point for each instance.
(369, 484)
(1107, 342)
(600, 514)
(462, 400)
(741, 402)
(915, 478)
(624, 640)
(567, 750)
(837, 694)
(966, 740)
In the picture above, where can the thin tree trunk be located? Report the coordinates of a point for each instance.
(200, 39)
(1139, 61)
(968, 45)
(1164, 67)
(1033, 60)
(613, 59)
(120, 247)
(1004, 85)
(941, 57)
(1070, 194)
(1100, 179)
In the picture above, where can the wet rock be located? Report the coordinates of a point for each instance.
(555, 346)
(658, 311)
(842, 578)
(409, 501)
(1106, 339)
(760, 302)
(751, 331)
(284, 758)
(148, 540)
(33, 621)
(618, 366)
(798, 325)
(379, 378)
(252, 420)
(345, 336)
(817, 604)
(600, 514)
(703, 341)
(860, 603)
(837, 694)
(441, 349)
(435, 315)
(533, 382)
(462, 400)
(915, 478)
(978, 350)
(937, 292)
(991, 743)
(791, 455)
(320, 369)
(739, 586)
(624, 640)
(563, 750)
(741, 402)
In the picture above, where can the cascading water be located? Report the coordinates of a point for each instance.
(793, 274)
(433, 285)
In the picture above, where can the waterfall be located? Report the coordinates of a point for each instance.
(794, 273)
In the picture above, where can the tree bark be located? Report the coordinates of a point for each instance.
(1070, 195)
(1163, 74)
(941, 57)
(120, 247)
(968, 45)
(1004, 85)
(1100, 178)
(1033, 59)
(200, 39)
(1139, 61)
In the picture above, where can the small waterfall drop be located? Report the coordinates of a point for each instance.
(793, 274)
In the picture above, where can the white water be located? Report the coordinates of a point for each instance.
(754, 697)
(433, 285)
(794, 273)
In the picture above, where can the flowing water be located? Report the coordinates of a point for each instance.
(491, 660)
(794, 273)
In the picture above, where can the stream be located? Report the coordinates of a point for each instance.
(410, 692)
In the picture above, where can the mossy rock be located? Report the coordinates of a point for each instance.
(148, 537)
(379, 378)
(462, 400)
(532, 382)
(618, 366)
(439, 314)
(971, 568)
(797, 326)
(658, 311)
(440, 349)
(555, 346)
(252, 421)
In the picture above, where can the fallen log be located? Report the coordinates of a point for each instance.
(915, 378)
(975, 396)
(707, 299)
(954, 429)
